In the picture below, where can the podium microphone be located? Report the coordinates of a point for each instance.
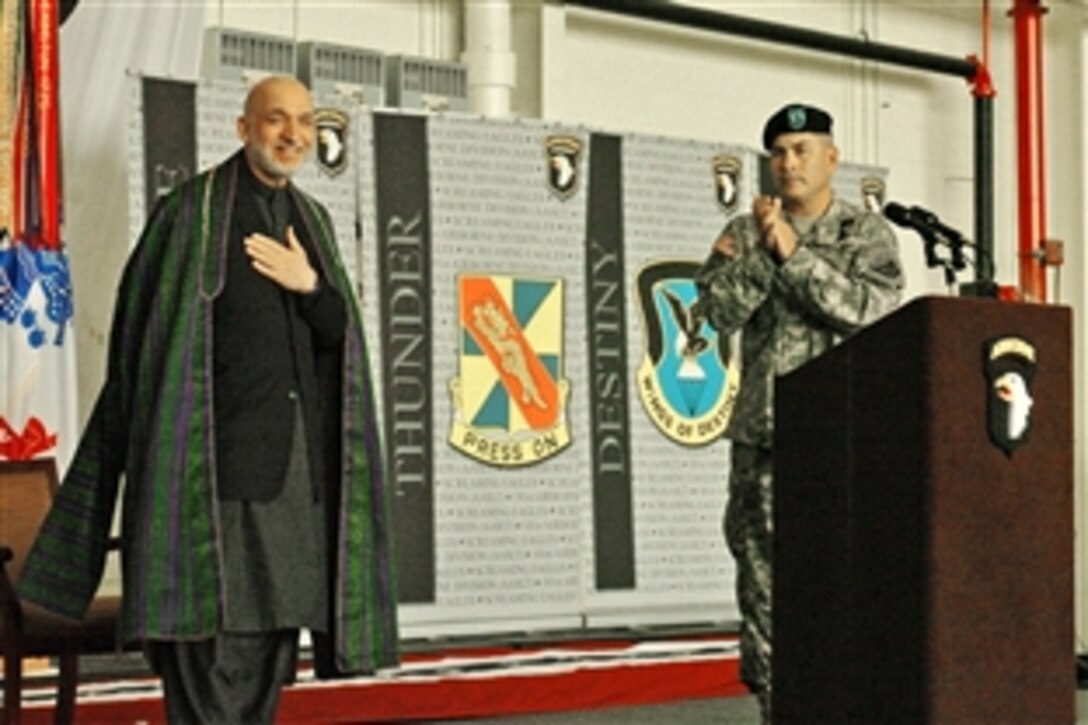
(931, 228)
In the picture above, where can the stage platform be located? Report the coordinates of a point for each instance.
(435, 685)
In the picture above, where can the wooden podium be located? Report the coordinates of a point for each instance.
(922, 573)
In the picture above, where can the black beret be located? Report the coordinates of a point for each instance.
(795, 118)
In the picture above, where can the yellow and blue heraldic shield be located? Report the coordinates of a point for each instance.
(688, 380)
(510, 397)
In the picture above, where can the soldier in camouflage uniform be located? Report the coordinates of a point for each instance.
(799, 274)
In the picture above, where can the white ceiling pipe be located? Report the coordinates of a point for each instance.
(491, 63)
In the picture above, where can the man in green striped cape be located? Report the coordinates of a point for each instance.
(238, 406)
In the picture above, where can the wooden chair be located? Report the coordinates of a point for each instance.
(26, 493)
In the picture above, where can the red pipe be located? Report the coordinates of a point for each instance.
(1030, 126)
(982, 85)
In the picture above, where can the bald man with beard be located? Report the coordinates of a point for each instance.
(238, 405)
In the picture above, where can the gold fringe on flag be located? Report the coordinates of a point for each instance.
(12, 13)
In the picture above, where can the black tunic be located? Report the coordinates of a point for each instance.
(267, 427)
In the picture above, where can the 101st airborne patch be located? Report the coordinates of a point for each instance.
(873, 192)
(563, 154)
(726, 169)
(1010, 366)
(331, 127)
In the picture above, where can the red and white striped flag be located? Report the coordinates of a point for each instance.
(37, 355)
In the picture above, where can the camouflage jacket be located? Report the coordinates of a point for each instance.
(844, 275)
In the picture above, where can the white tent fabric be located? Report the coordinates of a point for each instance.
(103, 44)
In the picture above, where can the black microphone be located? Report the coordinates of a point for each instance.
(921, 220)
(930, 227)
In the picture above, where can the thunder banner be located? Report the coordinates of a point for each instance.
(404, 275)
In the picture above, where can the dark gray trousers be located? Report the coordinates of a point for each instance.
(233, 678)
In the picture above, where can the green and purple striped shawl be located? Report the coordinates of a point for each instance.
(153, 423)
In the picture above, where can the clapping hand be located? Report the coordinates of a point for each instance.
(778, 236)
